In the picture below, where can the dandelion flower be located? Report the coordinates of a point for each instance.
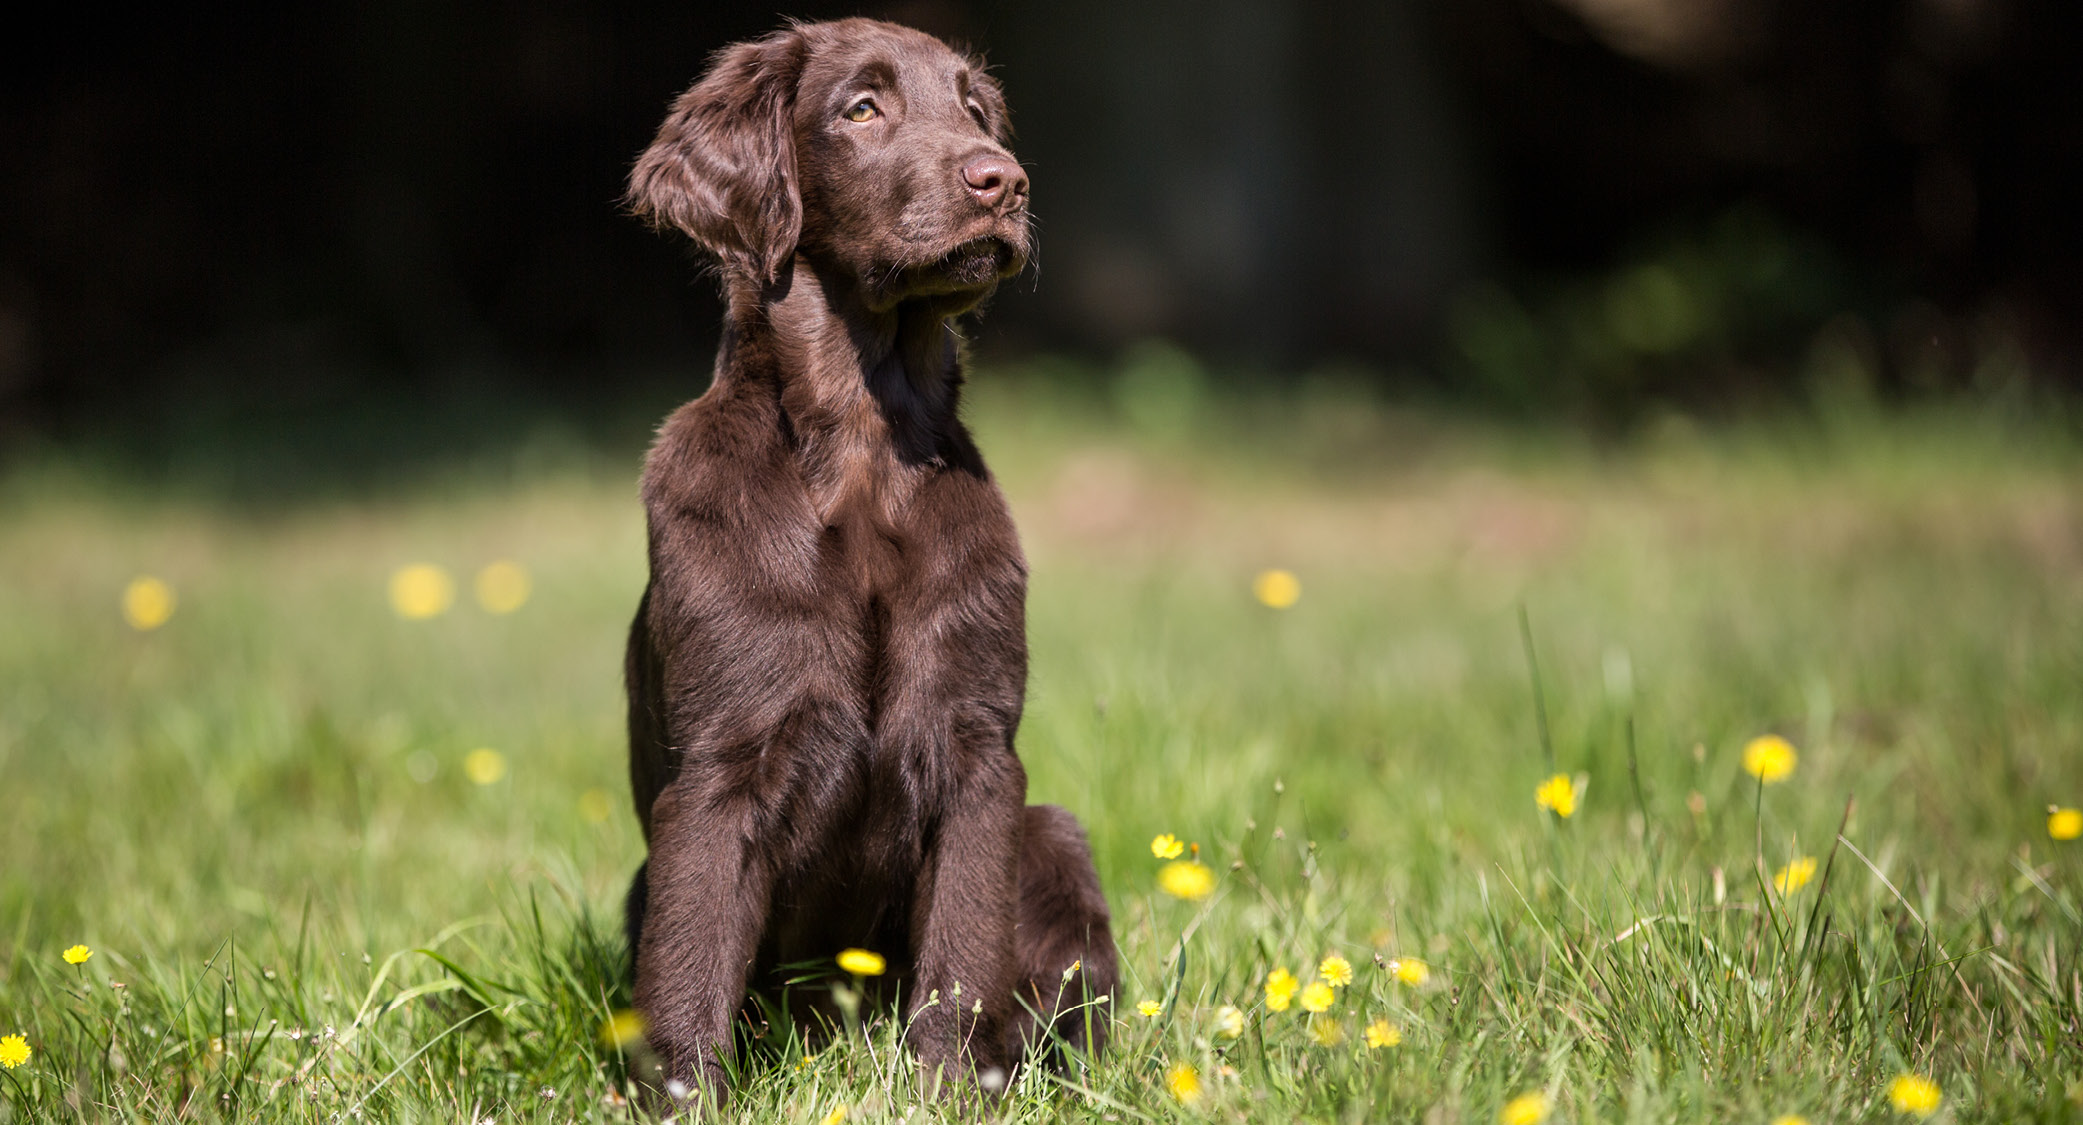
(1166, 846)
(2065, 824)
(595, 806)
(1318, 997)
(147, 603)
(484, 765)
(1526, 1109)
(78, 955)
(421, 590)
(502, 587)
(837, 1115)
(1410, 971)
(1277, 589)
(1769, 758)
(1382, 1033)
(1914, 1094)
(1148, 1009)
(1326, 1032)
(1281, 986)
(622, 1029)
(1229, 1022)
(1184, 1082)
(862, 963)
(1337, 970)
(1187, 879)
(1790, 1119)
(1794, 875)
(1558, 795)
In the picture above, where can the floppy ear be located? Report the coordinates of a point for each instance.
(723, 166)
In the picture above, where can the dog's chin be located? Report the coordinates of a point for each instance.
(959, 279)
(980, 263)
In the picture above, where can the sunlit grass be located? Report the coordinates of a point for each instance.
(332, 852)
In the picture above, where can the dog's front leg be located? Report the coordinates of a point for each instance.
(708, 903)
(962, 922)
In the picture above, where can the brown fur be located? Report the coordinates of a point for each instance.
(829, 663)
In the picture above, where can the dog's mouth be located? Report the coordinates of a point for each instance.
(957, 278)
(977, 263)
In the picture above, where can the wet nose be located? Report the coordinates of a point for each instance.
(997, 182)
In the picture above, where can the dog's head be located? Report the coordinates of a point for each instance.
(866, 147)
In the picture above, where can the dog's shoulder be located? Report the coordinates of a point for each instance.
(727, 516)
(715, 459)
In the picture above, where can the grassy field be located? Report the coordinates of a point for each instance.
(307, 900)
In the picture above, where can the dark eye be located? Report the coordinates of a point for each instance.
(863, 110)
(977, 112)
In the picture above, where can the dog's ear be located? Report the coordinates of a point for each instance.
(723, 166)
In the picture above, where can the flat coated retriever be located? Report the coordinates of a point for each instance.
(829, 662)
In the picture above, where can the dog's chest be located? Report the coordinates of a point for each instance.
(879, 523)
(866, 542)
(922, 582)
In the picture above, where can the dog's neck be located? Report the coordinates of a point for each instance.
(870, 396)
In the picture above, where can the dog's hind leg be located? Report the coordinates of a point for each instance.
(1063, 923)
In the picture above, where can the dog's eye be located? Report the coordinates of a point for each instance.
(977, 112)
(863, 110)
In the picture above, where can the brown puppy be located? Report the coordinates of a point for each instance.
(829, 663)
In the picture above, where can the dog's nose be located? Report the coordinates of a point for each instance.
(996, 181)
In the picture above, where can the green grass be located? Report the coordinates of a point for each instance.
(258, 817)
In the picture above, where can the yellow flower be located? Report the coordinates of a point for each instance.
(502, 587)
(1148, 1009)
(78, 955)
(1914, 1094)
(14, 1051)
(1166, 846)
(484, 765)
(622, 1029)
(1184, 1082)
(147, 603)
(1557, 794)
(1281, 986)
(1229, 1022)
(421, 590)
(1186, 878)
(1326, 1032)
(1276, 589)
(1337, 970)
(837, 1115)
(1769, 758)
(862, 963)
(1790, 1119)
(1318, 997)
(1382, 1033)
(2064, 824)
(595, 806)
(1795, 875)
(1526, 1109)
(1410, 971)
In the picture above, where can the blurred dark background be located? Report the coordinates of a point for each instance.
(393, 218)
